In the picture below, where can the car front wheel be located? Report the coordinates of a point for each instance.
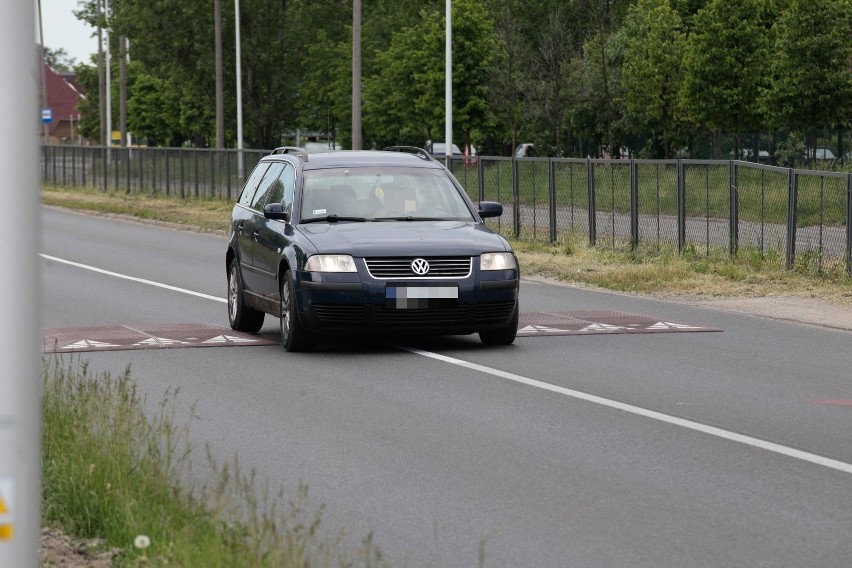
(240, 316)
(502, 336)
(293, 336)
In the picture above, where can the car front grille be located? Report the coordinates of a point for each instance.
(355, 316)
(400, 267)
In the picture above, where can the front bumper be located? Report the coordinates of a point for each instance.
(351, 302)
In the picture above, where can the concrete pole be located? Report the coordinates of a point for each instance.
(240, 166)
(20, 294)
(122, 90)
(220, 96)
(357, 142)
(101, 97)
(45, 128)
(448, 85)
(108, 71)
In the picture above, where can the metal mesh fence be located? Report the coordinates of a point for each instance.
(707, 193)
(821, 216)
(699, 206)
(657, 203)
(762, 198)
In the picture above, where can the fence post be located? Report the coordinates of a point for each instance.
(168, 173)
(681, 206)
(105, 171)
(792, 198)
(849, 225)
(593, 218)
(551, 192)
(480, 173)
(228, 171)
(634, 205)
(734, 230)
(516, 198)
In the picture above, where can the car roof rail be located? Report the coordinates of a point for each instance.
(300, 152)
(419, 152)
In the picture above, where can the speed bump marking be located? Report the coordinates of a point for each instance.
(542, 324)
(158, 336)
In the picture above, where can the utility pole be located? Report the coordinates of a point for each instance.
(20, 360)
(240, 165)
(357, 142)
(45, 132)
(101, 97)
(448, 85)
(220, 96)
(122, 95)
(108, 70)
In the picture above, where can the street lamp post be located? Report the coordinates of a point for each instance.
(240, 172)
(20, 376)
(448, 85)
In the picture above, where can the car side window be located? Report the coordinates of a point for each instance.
(252, 183)
(281, 191)
(267, 185)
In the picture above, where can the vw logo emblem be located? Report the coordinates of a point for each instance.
(419, 266)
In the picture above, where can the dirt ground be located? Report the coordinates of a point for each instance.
(59, 551)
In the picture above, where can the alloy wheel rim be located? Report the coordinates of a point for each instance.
(232, 294)
(285, 313)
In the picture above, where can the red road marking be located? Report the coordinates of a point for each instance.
(836, 402)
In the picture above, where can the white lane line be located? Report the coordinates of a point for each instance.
(696, 426)
(134, 279)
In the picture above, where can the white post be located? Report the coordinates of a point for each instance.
(108, 88)
(20, 291)
(448, 86)
(240, 166)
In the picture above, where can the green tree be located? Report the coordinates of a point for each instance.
(726, 65)
(811, 82)
(652, 72)
(404, 100)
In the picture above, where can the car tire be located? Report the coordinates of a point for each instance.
(504, 335)
(240, 316)
(294, 337)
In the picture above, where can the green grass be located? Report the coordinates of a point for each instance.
(112, 469)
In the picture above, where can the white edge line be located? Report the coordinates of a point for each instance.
(696, 426)
(659, 416)
(134, 279)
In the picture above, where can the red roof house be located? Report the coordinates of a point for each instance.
(62, 99)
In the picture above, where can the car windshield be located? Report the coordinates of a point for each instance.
(381, 194)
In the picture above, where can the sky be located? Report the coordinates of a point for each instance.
(63, 30)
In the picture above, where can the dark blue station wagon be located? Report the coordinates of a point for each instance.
(385, 242)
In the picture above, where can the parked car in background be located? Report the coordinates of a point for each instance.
(317, 147)
(525, 150)
(821, 154)
(439, 149)
(367, 242)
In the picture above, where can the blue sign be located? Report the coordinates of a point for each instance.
(47, 115)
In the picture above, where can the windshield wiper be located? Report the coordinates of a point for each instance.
(410, 218)
(332, 219)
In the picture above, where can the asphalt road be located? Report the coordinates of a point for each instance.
(690, 449)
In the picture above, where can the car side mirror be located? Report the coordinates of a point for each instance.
(490, 209)
(276, 211)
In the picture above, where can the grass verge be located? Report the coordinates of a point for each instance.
(114, 470)
(663, 272)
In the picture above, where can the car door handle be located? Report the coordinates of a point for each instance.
(256, 235)
(240, 227)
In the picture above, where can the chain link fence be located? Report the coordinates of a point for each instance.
(798, 218)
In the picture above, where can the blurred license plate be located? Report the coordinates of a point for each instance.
(421, 297)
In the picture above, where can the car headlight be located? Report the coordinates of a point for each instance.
(497, 261)
(331, 263)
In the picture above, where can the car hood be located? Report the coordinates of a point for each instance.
(404, 238)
